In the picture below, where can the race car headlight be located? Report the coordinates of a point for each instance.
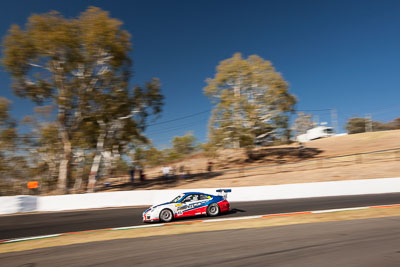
(147, 211)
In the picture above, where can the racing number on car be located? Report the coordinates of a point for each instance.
(194, 205)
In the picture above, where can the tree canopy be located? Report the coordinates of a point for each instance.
(11, 163)
(184, 145)
(361, 125)
(81, 66)
(302, 123)
(251, 99)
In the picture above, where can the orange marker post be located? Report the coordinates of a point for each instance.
(33, 184)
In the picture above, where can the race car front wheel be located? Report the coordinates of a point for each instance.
(213, 209)
(166, 215)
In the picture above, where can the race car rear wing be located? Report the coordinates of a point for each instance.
(223, 192)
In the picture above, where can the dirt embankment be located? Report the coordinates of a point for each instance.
(284, 164)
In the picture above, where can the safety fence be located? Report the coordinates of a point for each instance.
(318, 163)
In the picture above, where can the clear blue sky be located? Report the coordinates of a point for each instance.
(334, 54)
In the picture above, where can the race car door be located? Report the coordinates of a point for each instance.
(192, 205)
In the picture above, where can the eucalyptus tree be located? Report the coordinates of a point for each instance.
(303, 123)
(250, 98)
(78, 65)
(8, 148)
(8, 127)
(43, 147)
(184, 145)
(123, 123)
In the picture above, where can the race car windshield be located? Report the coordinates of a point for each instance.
(177, 198)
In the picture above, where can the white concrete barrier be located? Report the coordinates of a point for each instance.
(27, 203)
(111, 199)
(150, 197)
(9, 205)
(321, 189)
(16, 204)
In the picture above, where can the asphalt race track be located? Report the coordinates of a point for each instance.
(368, 242)
(15, 226)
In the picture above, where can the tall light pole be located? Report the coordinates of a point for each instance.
(368, 123)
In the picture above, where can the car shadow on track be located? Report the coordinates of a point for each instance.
(233, 211)
(202, 217)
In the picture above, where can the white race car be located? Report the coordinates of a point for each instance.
(189, 204)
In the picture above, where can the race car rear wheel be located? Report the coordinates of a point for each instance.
(166, 215)
(213, 209)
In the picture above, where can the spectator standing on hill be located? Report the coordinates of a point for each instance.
(181, 171)
(209, 166)
(165, 171)
(142, 175)
(173, 171)
(132, 173)
(187, 175)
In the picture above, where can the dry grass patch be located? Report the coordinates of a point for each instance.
(273, 168)
(200, 227)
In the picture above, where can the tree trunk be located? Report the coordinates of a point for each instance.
(64, 130)
(80, 171)
(96, 163)
(237, 121)
(236, 143)
(115, 156)
(93, 172)
(64, 166)
(52, 176)
(78, 182)
(107, 162)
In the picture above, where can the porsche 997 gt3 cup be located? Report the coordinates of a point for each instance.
(189, 204)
